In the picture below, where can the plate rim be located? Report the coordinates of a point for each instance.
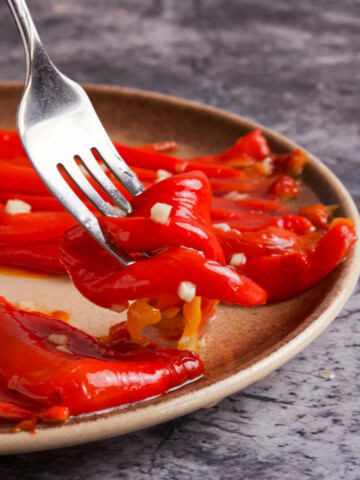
(173, 406)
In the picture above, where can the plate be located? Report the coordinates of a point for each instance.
(241, 345)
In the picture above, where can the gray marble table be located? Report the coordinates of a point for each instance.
(294, 66)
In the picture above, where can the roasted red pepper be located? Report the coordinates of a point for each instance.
(246, 150)
(317, 214)
(286, 275)
(138, 158)
(283, 251)
(254, 145)
(140, 233)
(99, 277)
(189, 196)
(160, 147)
(30, 240)
(270, 241)
(247, 202)
(20, 178)
(34, 226)
(14, 408)
(38, 203)
(189, 224)
(85, 375)
(10, 145)
(38, 256)
(224, 185)
(294, 223)
(291, 163)
(284, 187)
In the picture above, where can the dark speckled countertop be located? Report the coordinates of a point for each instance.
(295, 67)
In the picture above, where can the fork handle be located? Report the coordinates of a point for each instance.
(35, 53)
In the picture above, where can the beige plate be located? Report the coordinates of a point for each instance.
(242, 345)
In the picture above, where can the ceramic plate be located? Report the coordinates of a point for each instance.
(241, 345)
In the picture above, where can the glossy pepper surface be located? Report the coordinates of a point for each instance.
(85, 375)
(101, 279)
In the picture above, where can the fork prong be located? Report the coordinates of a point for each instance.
(80, 180)
(119, 168)
(97, 173)
(76, 207)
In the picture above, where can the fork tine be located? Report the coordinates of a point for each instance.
(110, 156)
(79, 178)
(76, 207)
(95, 171)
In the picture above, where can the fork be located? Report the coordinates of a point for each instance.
(60, 130)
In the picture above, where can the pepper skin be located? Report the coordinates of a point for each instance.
(284, 187)
(101, 279)
(10, 145)
(294, 223)
(189, 223)
(30, 240)
(38, 203)
(140, 233)
(20, 178)
(87, 376)
(155, 161)
(317, 214)
(269, 241)
(34, 226)
(284, 276)
(248, 149)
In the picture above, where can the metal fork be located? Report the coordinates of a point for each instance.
(58, 125)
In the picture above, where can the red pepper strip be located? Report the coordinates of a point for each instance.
(189, 224)
(92, 376)
(258, 221)
(119, 335)
(20, 178)
(252, 146)
(39, 203)
(144, 174)
(10, 145)
(284, 276)
(160, 147)
(294, 223)
(101, 279)
(24, 162)
(228, 185)
(284, 187)
(189, 194)
(11, 411)
(25, 180)
(14, 408)
(42, 256)
(225, 214)
(252, 223)
(269, 241)
(155, 161)
(34, 226)
(249, 203)
(139, 233)
(291, 163)
(224, 210)
(317, 214)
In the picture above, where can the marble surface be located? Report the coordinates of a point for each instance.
(293, 66)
